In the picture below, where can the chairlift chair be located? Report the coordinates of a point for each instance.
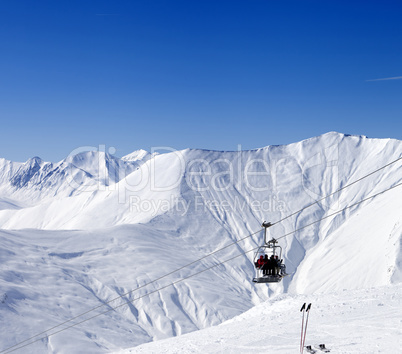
(270, 248)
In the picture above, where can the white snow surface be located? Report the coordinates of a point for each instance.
(79, 233)
(357, 321)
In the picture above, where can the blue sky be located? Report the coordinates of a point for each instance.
(200, 74)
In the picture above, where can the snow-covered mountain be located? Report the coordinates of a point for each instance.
(35, 180)
(81, 232)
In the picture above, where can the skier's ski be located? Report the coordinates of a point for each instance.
(323, 348)
(310, 349)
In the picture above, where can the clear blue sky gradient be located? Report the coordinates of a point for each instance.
(199, 74)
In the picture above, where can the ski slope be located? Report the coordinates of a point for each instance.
(77, 234)
(358, 321)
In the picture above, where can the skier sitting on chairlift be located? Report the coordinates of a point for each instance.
(273, 264)
(267, 265)
(277, 265)
(260, 262)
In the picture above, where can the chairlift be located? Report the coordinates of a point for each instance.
(273, 270)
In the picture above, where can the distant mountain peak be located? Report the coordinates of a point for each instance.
(26, 171)
(136, 155)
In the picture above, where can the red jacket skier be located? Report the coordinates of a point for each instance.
(260, 262)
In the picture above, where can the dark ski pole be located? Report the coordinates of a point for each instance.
(305, 328)
(301, 333)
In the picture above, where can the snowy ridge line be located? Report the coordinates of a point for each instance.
(340, 189)
(177, 281)
(115, 194)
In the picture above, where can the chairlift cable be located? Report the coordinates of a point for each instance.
(138, 288)
(339, 211)
(116, 307)
(337, 191)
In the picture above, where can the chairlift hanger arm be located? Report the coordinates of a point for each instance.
(266, 224)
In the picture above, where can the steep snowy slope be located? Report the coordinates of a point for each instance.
(162, 212)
